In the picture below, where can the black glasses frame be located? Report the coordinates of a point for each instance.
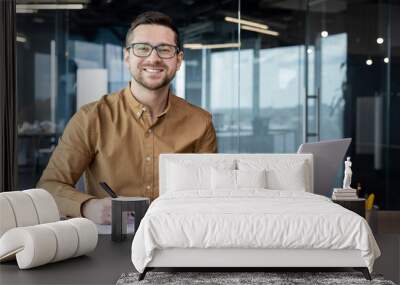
(132, 46)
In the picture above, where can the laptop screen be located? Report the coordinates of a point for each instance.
(328, 156)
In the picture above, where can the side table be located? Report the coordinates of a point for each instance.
(121, 206)
(356, 205)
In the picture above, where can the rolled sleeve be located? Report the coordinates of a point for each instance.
(67, 164)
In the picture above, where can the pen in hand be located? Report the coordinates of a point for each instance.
(108, 190)
(111, 192)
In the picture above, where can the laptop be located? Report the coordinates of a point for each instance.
(328, 156)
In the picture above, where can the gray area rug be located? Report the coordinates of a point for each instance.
(228, 278)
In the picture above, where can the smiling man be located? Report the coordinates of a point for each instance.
(118, 139)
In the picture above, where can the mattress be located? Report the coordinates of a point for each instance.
(250, 219)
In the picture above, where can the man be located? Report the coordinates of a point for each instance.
(118, 139)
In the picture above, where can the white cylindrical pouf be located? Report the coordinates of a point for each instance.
(23, 208)
(7, 218)
(87, 235)
(45, 205)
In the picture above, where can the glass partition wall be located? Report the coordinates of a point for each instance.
(354, 49)
(274, 74)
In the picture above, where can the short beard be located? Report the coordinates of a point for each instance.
(165, 82)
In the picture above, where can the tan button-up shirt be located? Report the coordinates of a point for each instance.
(113, 140)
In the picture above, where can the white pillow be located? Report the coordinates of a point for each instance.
(293, 179)
(190, 174)
(282, 174)
(236, 179)
(251, 179)
(183, 177)
(223, 179)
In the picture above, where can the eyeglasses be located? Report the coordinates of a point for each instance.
(144, 50)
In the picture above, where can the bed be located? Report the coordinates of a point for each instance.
(246, 211)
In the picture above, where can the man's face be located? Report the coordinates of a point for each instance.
(152, 72)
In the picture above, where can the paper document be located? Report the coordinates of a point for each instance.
(106, 229)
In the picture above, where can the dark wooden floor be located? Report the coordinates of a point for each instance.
(386, 228)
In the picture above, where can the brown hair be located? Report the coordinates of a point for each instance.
(153, 18)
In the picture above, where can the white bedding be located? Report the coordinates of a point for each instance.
(251, 218)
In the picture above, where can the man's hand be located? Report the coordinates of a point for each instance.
(98, 210)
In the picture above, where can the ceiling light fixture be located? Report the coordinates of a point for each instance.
(49, 6)
(386, 60)
(380, 40)
(21, 39)
(324, 34)
(369, 61)
(211, 46)
(25, 11)
(246, 22)
(253, 29)
(193, 46)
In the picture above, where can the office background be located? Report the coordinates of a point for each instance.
(320, 70)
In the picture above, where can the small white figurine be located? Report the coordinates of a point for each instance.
(347, 174)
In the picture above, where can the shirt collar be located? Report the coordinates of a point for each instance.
(138, 108)
(169, 102)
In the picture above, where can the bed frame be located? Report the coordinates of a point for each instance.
(242, 259)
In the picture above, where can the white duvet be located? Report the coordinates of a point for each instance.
(251, 218)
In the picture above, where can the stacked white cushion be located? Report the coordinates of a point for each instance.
(41, 244)
(27, 208)
(7, 218)
(282, 174)
(32, 246)
(23, 209)
(66, 237)
(45, 206)
(87, 235)
(31, 230)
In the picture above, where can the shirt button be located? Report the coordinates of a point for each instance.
(148, 187)
(144, 109)
(148, 158)
(149, 131)
(138, 114)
